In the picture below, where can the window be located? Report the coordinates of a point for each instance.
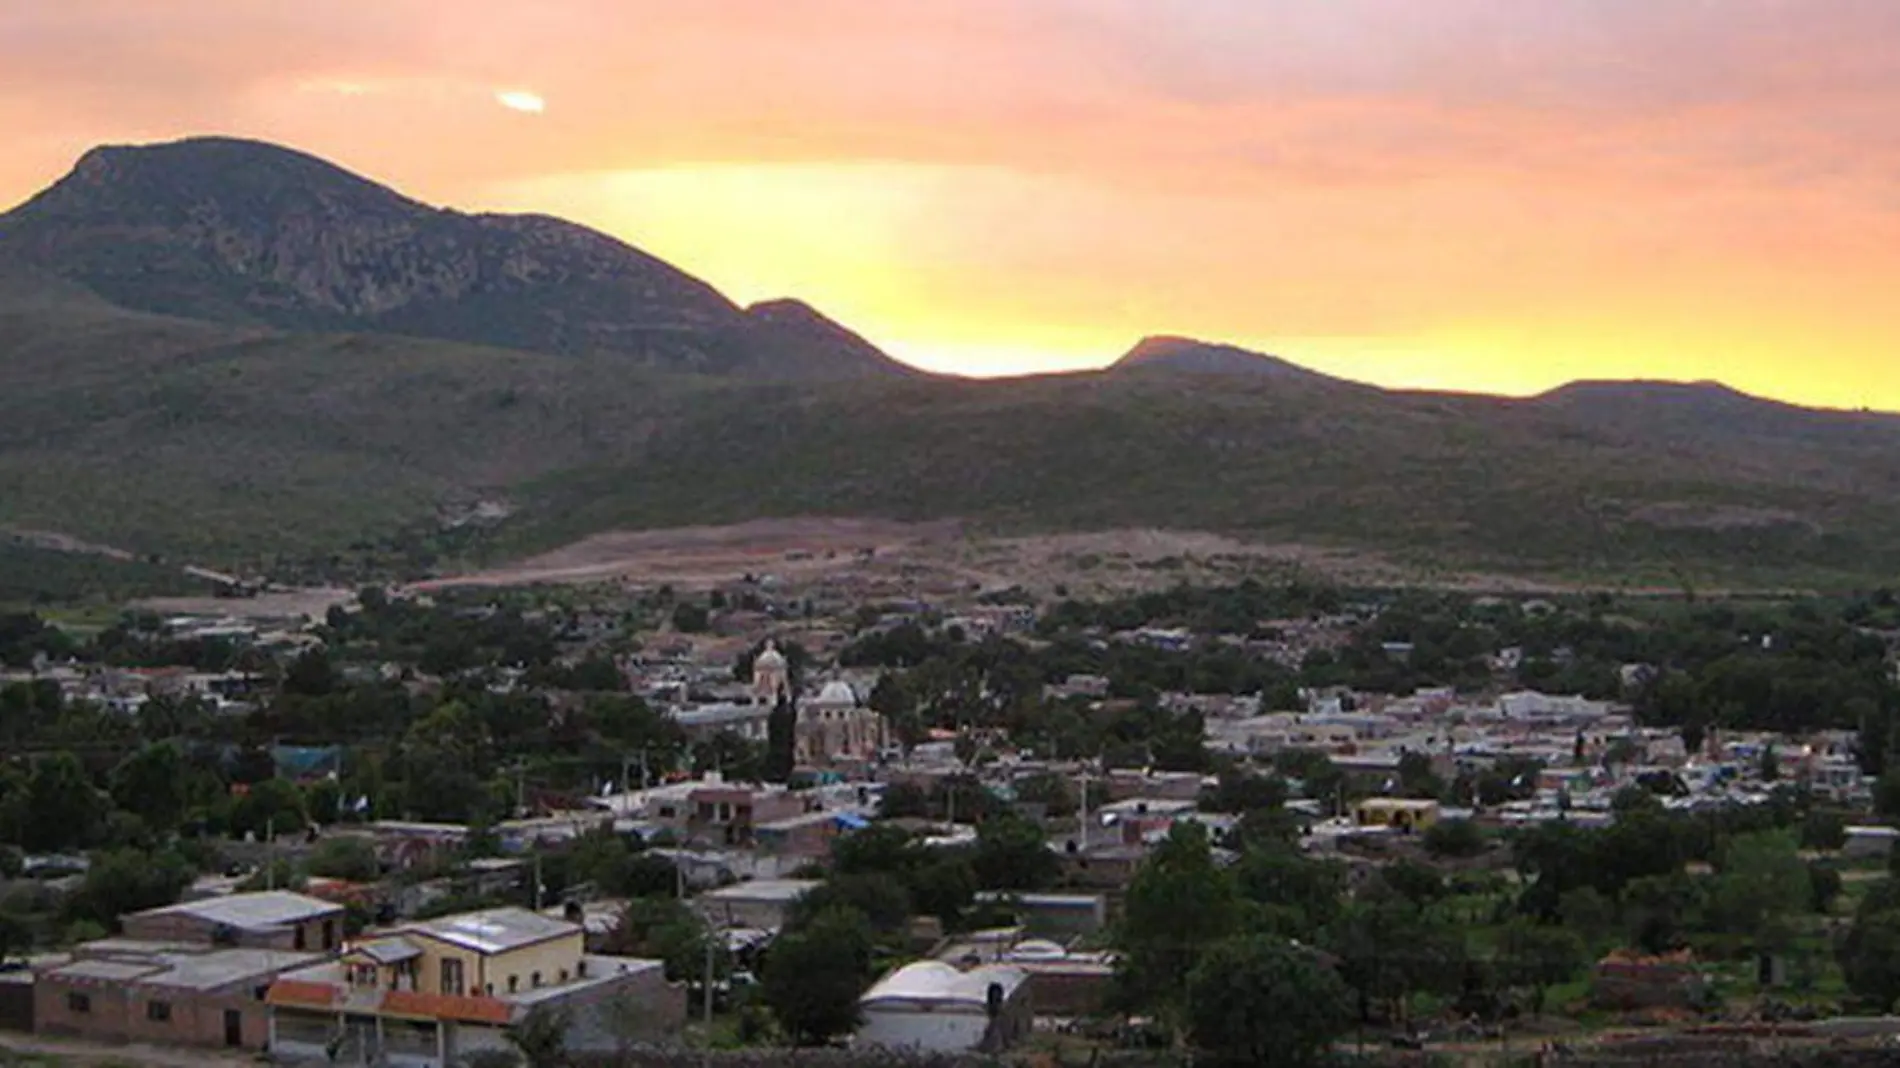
(513, 982)
(452, 981)
(158, 1011)
(329, 934)
(535, 979)
(563, 975)
(78, 1003)
(300, 940)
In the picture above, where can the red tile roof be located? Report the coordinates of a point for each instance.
(446, 1007)
(302, 993)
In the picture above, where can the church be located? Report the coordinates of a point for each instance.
(834, 726)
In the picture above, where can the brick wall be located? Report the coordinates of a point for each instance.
(119, 1012)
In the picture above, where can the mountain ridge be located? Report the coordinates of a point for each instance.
(247, 232)
(244, 424)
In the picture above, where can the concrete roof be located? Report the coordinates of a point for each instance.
(937, 983)
(388, 950)
(112, 971)
(195, 968)
(250, 912)
(496, 930)
(763, 890)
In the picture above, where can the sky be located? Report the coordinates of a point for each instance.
(1490, 195)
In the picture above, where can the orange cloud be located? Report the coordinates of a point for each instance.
(1465, 193)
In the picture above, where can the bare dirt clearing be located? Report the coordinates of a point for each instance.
(803, 550)
(273, 605)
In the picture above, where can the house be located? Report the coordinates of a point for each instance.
(759, 903)
(930, 1007)
(1401, 814)
(431, 993)
(271, 919)
(1062, 916)
(728, 813)
(165, 993)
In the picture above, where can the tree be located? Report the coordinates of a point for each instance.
(1303, 893)
(1050, 790)
(904, 800)
(152, 783)
(1587, 912)
(882, 900)
(1538, 956)
(814, 976)
(1454, 838)
(691, 618)
(1417, 883)
(1761, 881)
(121, 881)
(1265, 1001)
(1823, 830)
(1178, 905)
(1870, 958)
(310, 675)
(781, 740)
(61, 808)
(16, 936)
(1012, 854)
(1240, 791)
(274, 806)
(345, 857)
(663, 929)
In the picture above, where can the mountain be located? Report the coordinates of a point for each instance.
(252, 234)
(1180, 354)
(244, 357)
(809, 345)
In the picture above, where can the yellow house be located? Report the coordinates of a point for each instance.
(432, 992)
(1401, 814)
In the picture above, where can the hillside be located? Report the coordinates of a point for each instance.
(252, 234)
(1188, 356)
(245, 413)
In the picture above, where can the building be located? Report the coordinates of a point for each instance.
(271, 919)
(1401, 814)
(163, 993)
(728, 813)
(430, 993)
(930, 1007)
(833, 726)
(760, 903)
(837, 727)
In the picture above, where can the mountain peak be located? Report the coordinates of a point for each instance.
(240, 231)
(799, 334)
(1188, 355)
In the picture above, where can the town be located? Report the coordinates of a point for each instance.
(1262, 819)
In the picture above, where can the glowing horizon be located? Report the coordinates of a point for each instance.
(1466, 195)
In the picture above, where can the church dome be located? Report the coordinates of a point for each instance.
(837, 693)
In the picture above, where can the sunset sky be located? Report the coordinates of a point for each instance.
(1496, 195)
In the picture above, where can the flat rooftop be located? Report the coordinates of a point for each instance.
(251, 912)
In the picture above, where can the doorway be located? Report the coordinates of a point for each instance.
(233, 1028)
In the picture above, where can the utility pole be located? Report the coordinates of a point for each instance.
(537, 881)
(710, 932)
(1085, 810)
(270, 853)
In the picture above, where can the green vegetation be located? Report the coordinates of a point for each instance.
(336, 455)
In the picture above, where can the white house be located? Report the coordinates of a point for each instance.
(930, 1007)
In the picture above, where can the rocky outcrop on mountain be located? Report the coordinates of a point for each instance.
(245, 232)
